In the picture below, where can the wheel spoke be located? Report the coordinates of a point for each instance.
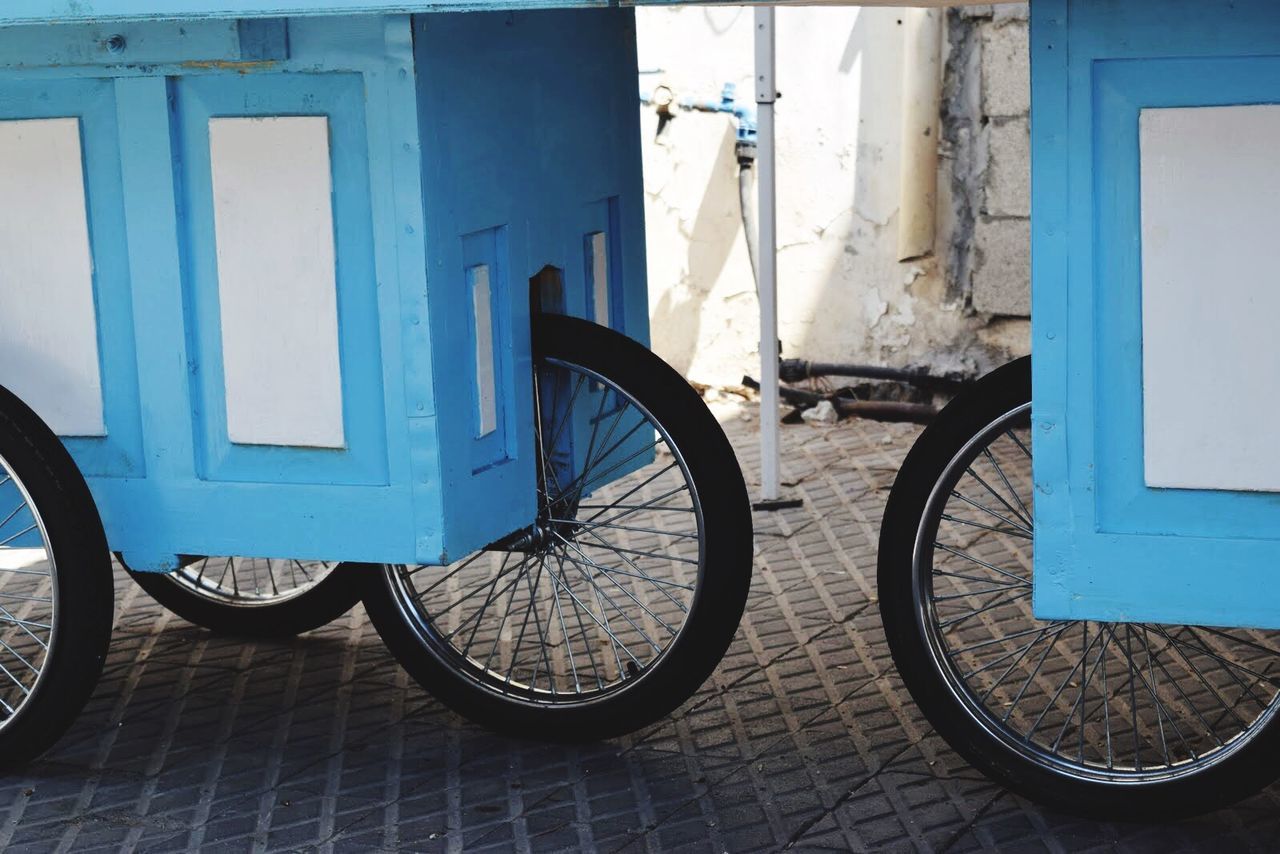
(544, 640)
(493, 597)
(22, 624)
(530, 610)
(582, 631)
(1226, 707)
(1027, 651)
(1004, 638)
(12, 513)
(564, 633)
(597, 525)
(660, 584)
(589, 459)
(9, 539)
(620, 550)
(1231, 668)
(1088, 672)
(955, 621)
(1012, 532)
(245, 582)
(639, 486)
(497, 635)
(985, 509)
(30, 600)
(1035, 671)
(1000, 498)
(1109, 701)
(971, 594)
(1025, 515)
(982, 563)
(1020, 652)
(601, 588)
(588, 564)
(640, 631)
(484, 607)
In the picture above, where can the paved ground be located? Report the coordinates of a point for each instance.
(803, 739)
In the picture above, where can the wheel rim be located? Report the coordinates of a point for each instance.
(1118, 703)
(590, 599)
(28, 596)
(250, 582)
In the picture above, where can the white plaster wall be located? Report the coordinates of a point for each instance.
(843, 295)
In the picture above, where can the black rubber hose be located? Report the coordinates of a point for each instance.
(745, 169)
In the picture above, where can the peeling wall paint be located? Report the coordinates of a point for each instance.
(843, 295)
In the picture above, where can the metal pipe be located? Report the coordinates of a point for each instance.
(878, 410)
(664, 100)
(887, 410)
(749, 227)
(795, 370)
(921, 106)
(766, 95)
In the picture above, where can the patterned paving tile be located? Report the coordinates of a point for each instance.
(803, 740)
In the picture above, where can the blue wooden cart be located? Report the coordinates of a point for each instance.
(1120, 681)
(361, 295)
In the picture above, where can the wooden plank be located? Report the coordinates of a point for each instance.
(52, 11)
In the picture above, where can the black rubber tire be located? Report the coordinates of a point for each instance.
(334, 596)
(717, 605)
(84, 587)
(1236, 776)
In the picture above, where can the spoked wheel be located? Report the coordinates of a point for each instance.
(56, 599)
(612, 608)
(254, 597)
(1112, 719)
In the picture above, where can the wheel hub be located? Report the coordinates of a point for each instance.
(539, 538)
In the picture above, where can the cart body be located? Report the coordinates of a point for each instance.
(63, 11)
(270, 278)
(1154, 223)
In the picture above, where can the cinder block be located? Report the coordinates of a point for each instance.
(1006, 70)
(1005, 12)
(1002, 268)
(1008, 185)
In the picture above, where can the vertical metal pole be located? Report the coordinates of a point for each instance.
(766, 163)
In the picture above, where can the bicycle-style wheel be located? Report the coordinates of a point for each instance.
(254, 597)
(1112, 719)
(56, 602)
(620, 599)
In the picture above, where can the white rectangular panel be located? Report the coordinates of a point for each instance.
(599, 251)
(486, 374)
(48, 323)
(277, 280)
(1210, 297)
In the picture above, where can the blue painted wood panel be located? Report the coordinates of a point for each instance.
(54, 11)
(1107, 546)
(542, 158)
(340, 99)
(93, 102)
(146, 132)
(455, 140)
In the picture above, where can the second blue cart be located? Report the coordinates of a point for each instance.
(362, 297)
